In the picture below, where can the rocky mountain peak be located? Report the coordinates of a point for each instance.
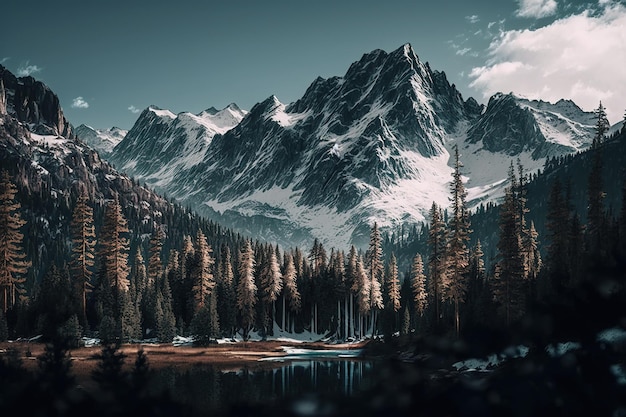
(31, 101)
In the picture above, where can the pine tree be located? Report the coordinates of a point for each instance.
(557, 221)
(478, 292)
(13, 267)
(113, 256)
(54, 302)
(318, 261)
(418, 284)
(227, 310)
(393, 284)
(204, 281)
(165, 321)
(139, 275)
(390, 320)
(271, 285)
(114, 246)
(375, 274)
(247, 289)
(602, 126)
(510, 279)
(595, 193)
(457, 251)
(155, 265)
(361, 286)
(352, 278)
(291, 295)
(83, 245)
(532, 257)
(436, 260)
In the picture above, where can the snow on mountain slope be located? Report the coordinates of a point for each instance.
(102, 140)
(162, 144)
(366, 146)
(562, 123)
(372, 145)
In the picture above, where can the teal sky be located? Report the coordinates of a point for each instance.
(106, 58)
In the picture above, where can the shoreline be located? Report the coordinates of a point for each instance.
(223, 357)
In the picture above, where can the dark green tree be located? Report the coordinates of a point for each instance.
(13, 266)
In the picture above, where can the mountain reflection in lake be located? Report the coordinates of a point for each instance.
(208, 390)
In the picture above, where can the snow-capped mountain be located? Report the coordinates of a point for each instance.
(373, 145)
(162, 144)
(102, 140)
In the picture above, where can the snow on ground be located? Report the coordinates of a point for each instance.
(278, 335)
(493, 360)
(310, 354)
(562, 348)
(52, 141)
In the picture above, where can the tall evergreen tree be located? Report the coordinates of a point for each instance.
(418, 285)
(271, 286)
(361, 286)
(436, 261)
(457, 251)
(204, 280)
(532, 256)
(83, 246)
(113, 256)
(227, 309)
(390, 322)
(393, 284)
(155, 264)
(557, 220)
(375, 274)
(13, 267)
(602, 126)
(352, 277)
(246, 289)
(595, 193)
(291, 295)
(114, 246)
(511, 269)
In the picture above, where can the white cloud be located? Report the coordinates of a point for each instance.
(472, 19)
(536, 8)
(26, 69)
(79, 103)
(5, 59)
(579, 57)
(133, 109)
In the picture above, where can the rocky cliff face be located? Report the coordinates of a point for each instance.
(32, 102)
(513, 125)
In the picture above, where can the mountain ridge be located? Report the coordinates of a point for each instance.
(371, 145)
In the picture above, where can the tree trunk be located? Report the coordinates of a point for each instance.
(283, 318)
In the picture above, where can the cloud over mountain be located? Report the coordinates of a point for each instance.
(580, 56)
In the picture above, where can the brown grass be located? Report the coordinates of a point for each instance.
(222, 357)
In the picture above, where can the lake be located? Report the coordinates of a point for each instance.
(302, 382)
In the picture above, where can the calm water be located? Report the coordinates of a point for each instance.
(296, 382)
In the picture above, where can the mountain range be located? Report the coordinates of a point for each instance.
(370, 146)
(102, 140)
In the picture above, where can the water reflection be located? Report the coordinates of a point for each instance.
(208, 390)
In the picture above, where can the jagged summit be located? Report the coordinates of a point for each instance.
(370, 145)
(33, 102)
